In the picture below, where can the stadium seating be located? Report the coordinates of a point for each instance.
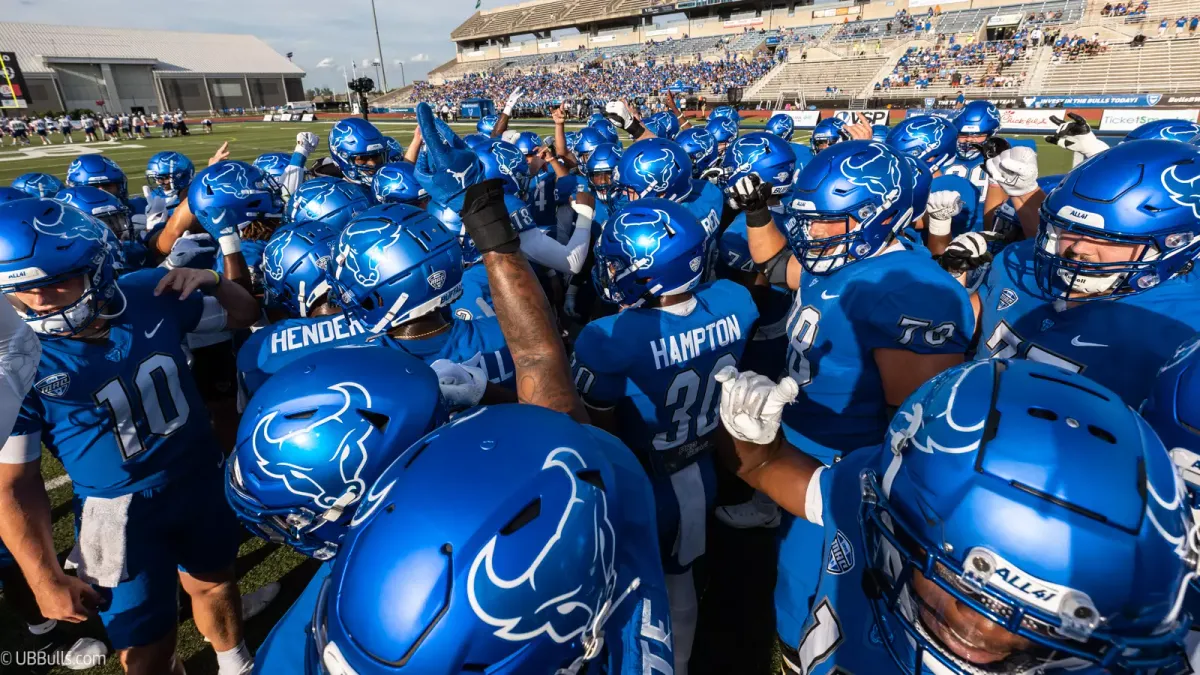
(811, 79)
(1160, 66)
(971, 20)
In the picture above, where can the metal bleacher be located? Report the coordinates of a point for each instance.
(848, 75)
(1160, 66)
(971, 20)
(870, 30)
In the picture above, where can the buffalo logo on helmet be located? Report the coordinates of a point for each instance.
(1183, 131)
(1183, 191)
(747, 151)
(231, 179)
(292, 456)
(929, 130)
(273, 259)
(507, 157)
(658, 172)
(339, 135)
(640, 235)
(54, 226)
(559, 605)
(363, 261)
(877, 169)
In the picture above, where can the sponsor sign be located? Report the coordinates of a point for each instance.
(1027, 120)
(1005, 20)
(750, 21)
(940, 112)
(872, 116)
(803, 118)
(550, 45)
(307, 117)
(662, 31)
(1093, 101)
(604, 38)
(1182, 100)
(267, 118)
(13, 92)
(1128, 120)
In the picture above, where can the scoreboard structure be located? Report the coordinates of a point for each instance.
(13, 92)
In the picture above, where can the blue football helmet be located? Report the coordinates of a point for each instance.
(528, 143)
(10, 194)
(976, 122)
(100, 205)
(827, 132)
(446, 167)
(879, 132)
(517, 572)
(589, 139)
(395, 151)
(650, 248)
(170, 173)
(725, 111)
(318, 433)
(505, 161)
(782, 125)
(330, 200)
(486, 124)
(863, 186)
(723, 130)
(929, 138)
(1167, 130)
(44, 242)
(596, 118)
(1173, 410)
(654, 167)
(232, 190)
(599, 168)
(663, 124)
(922, 185)
(1143, 194)
(36, 184)
(273, 165)
(1059, 489)
(396, 262)
(701, 147)
(98, 171)
(764, 154)
(608, 131)
(572, 137)
(474, 141)
(358, 149)
(296, 264)
(450, 220)
(396, 183)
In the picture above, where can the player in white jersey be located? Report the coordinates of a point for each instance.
(65, 128)
(20, 131)
(89, 128)
(39, 128)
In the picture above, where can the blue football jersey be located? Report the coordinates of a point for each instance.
(565, 188)
(768, 345)
(283, 650)
(476, 298)
(804, 154)
(478, 343)
(657, 368)
(973, 171)
(122, 413)
(706, 203)
(518, 213)
(970, 218)
(899, 299)
(834, 630)
(542, 200)
(252, 251)
(1120, 343)
(269, 349)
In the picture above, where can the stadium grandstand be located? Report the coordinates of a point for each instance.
(837, 53)
(70, 67)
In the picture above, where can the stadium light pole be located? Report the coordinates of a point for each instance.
(403, 78)
(379, 47)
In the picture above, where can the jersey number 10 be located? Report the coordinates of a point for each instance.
(160, 397)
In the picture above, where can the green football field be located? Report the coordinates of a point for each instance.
(722, 634)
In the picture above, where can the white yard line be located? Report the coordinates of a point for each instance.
(55, 483)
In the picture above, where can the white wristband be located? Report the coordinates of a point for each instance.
(584, 210)
(939, 227)
(230, 244)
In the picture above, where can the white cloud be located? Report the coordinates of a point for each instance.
(326, 62)
(419, 58)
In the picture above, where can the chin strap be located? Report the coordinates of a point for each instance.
(593, 635)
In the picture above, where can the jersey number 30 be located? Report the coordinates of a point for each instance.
(689, 421)
(159, 395)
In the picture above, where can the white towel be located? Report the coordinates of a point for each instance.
(99, 554)
(688, 485)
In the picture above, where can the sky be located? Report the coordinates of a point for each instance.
(317, 32)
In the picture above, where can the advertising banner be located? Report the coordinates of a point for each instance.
(872, 116)
(803, 118)
(1128, 120)
(13, 92)
(1093, 101)
(1027, 120)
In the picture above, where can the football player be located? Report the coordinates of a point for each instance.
(274, 164)
(953, 201)
(656, 167)
(1167, 130)
(1108, 286)
(358, 149)
(977, 122)
(701, 147)
(39, 128)
(1010, 570)
(828, 131)
(396, 183)
(130, 252)
(36, 184)
(101, 172)
(169, 174)
(89, 128)
(114, 401)
(783, 126)
(65, 128)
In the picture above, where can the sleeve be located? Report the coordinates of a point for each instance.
(599, 384)
(547, 251)
(197, 313)
(930, 316)
(24, 442)
(293, 174)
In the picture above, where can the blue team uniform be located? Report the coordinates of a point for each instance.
(518, 213)
(973, 171)
(252, 251)
(970, 218)
(768, 346)
(271, 348)
(896, 300)
(1120, 342)
(657, 368)
(283, 649)
(833, 631)
(124, 416)
(476, 298)
(706, 203)
(804, 154)
(542, 200)
(478, 343)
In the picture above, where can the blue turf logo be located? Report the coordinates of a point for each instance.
(364, 244)
(877, 169)
(1183, 191)
(295, 454)
(526, 593)
(640, 233)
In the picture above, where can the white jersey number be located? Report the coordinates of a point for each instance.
(682, 395)
(157, 383)
(802, 333)
(977, 177)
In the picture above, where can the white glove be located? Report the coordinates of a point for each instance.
(1076, 135)
(1015, 170)
(156, 209)
(306, 142)
(569, 302)
(462, 386)
(713, 174)
(511, 101)
(510, 136)
(619, 114)
(942, 206)
(187, 248)
(752, 404)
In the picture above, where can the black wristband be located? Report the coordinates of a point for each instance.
(635, 129)
(485, 218)
(758, 217)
